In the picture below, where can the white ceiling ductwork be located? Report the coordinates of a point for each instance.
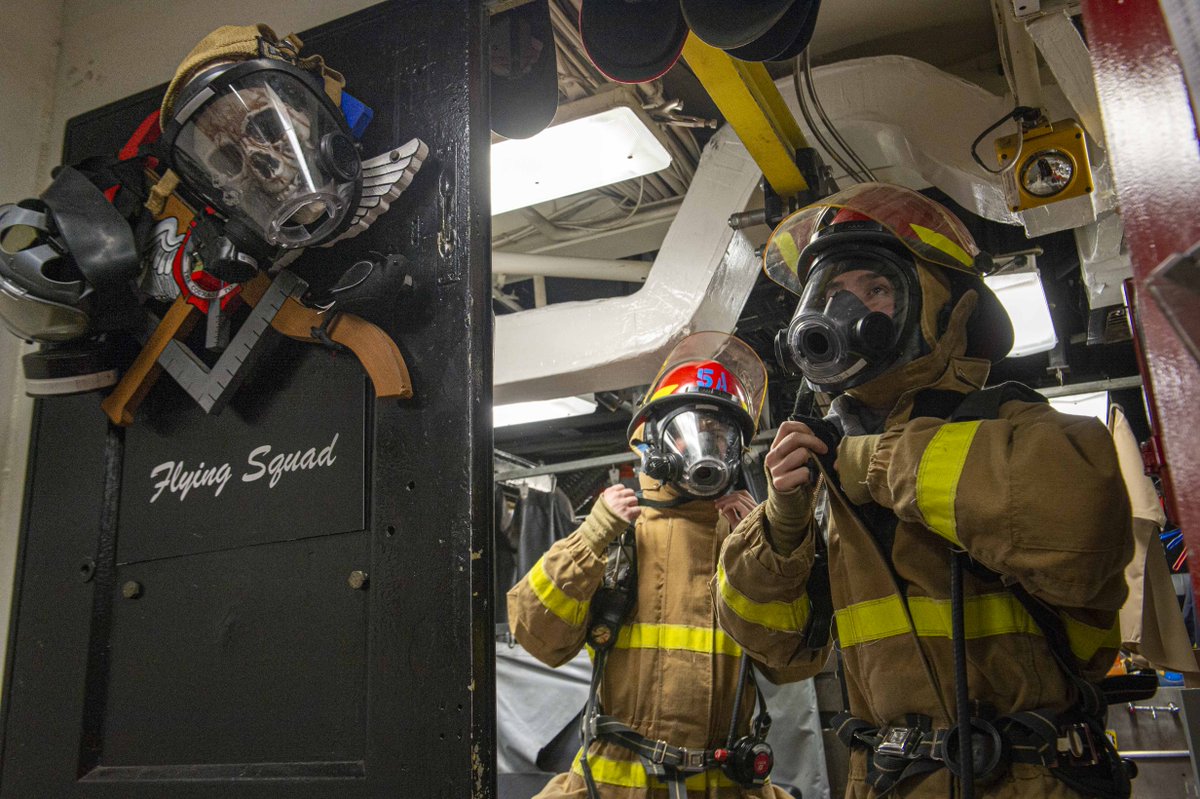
(914, 124)
(700, 280)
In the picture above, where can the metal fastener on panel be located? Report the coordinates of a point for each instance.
(358, 579)
(131, 589)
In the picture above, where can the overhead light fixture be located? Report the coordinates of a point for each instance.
(593, 142)
(1094, 403)
(1051, 164)
(1022, 295)
(541, 410)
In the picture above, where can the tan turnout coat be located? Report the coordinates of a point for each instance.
(672, 674)
(1034, 495)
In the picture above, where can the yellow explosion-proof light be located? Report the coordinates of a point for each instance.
(1051, 164)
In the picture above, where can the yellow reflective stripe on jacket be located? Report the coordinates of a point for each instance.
(676, 636)
(983, 616)
(1086, 640)
(631, 774)
(572, 611)
(776, 615)
(938, 475)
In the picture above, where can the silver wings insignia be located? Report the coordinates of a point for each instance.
(385, 177)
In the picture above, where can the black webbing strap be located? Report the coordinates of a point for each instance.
(670, 764)
(899, 752)
(894, 754)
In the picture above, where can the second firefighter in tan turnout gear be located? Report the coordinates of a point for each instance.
(672, 675)
(892, 322)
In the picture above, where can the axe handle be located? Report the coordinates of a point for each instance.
(375, 350)
(137, 381)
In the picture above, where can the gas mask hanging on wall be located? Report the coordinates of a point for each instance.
(67, 262)
(699, 415)
(252, 132)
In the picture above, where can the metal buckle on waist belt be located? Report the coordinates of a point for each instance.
(1077, 746)
(681, 759)
(898, 741)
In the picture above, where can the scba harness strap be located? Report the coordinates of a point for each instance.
(747, 761)
(897, 753)
(1071, 744)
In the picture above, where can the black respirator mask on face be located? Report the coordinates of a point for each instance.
(261, 143)
(857, 318)
(696, 449)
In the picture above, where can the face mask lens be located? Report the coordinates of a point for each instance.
(850, 318)
(227, 160)
(264, 126)
(708, 446)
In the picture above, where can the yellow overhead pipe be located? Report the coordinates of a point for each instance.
(748, 99)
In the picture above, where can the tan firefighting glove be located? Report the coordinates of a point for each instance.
(789, 515)
(601, 526)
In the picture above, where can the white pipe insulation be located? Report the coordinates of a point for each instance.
(701, 278)
(522, 265)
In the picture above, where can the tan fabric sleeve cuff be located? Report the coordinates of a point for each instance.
(876, 475)
(601, 526)
(854, 455)
(789, 516)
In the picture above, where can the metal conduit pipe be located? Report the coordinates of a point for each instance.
(522, 265)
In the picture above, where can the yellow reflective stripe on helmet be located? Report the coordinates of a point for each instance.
(984, 615)
(938, 476)
(943, 243)
(676, 636)
(787, 249)
(664, 391)
(631, 774)
(572, 611)
(787, 617)
(1086, 640)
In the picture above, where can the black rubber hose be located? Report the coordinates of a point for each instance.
(966, 768)
(743, 665)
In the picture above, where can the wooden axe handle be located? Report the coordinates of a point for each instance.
(375, 350)
(137, 381)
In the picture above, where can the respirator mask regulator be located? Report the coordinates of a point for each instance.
(699, 415)
(857, 318)
(252, 132)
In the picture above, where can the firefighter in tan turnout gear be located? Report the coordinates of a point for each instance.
(923, 486)
(665, 678)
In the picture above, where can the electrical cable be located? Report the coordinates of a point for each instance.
(1022, 115)
(812, 91)
(966, 757)
(797, 68)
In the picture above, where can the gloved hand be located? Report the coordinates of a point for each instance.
(789, 489)
(735, 506)
(853, 457)
(615, 510)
